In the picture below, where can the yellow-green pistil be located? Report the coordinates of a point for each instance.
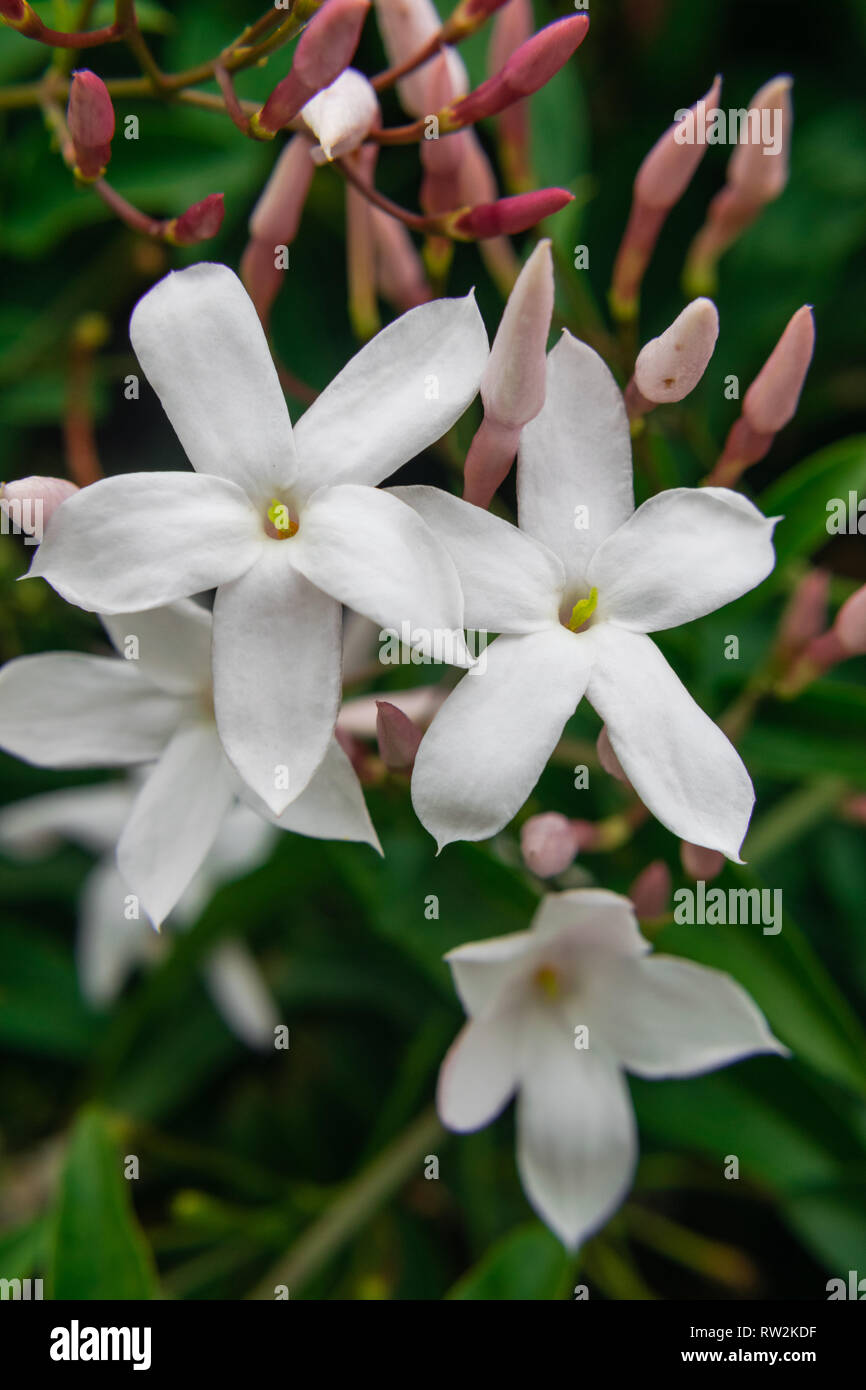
(583, 610)
(281, 519)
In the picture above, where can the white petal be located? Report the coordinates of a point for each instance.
(204, 352)
(682, 554)
(375, 554)
(668, 1017)
(593, 918)
(679, 762)
(397, 396)
(172, 644)
(342, 115)
(140, 540)
(575, 454)
(576, 1135)
(239, 991)
(510, 582)
(175, 819)
(89, 816)
(483, 970)
(108, 944)
(332, 806)
(487, 746)
(276, 676)
(478, 1075)
(65, 709)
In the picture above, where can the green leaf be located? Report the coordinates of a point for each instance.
(528, 1263)
(801, 496)
(99, 1249)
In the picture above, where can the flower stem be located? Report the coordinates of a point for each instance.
(353, 1208)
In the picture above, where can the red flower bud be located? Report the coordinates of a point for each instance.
(325, 49)
(529, 67)
(90, 117)
(199, 223)
(506, 216)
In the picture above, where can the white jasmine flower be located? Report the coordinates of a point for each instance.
(556, 1015)
(288, 526)
(341, 116)
(67, 709)
(576, 591)
(110, 943)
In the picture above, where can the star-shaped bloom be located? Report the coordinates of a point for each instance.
(576, 590)
(286, 525)
(111, 942)
(67, 709)
(556, 1015)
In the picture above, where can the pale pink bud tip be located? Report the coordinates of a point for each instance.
(549, 843)
(758, 168)
(397, 736)
(667, 170)
(701, 863)
(651, 891)
(806, 614)
(771, 400)
(670, 366)
(513, 384)
(608, 759)
(90, 117)
(200, 222)
(342, 115)
(30, 502)
(850, 624)
(509, 215)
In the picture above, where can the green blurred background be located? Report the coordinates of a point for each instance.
(315, 1156)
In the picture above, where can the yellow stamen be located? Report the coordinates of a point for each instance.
(547, 979)
(583, 610)
(281, 519)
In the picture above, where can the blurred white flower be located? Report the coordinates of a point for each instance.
(110, 942)
(556, 1015)
(66, 709)
(289, 526)
(575, 591)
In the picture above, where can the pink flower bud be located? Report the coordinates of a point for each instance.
(701, 863)
(806, 614)
(13, 11)
(507, 215)
(651, 891)
(199, 223)
(277, 215)
(758, 168)
(324, 50)
(850, 624)
(361, 249)
(608, 759)
(397, 736)
(659, 184)
(399, 268)
(512, 27)
(668, 169)
(478, 184)
(529, 67)
(512, 387)
(771, 400)
(342, 116)
(670, 366)
(549, 843)
(90, 117)
(469, 16)
(406, 27)
(29, 503)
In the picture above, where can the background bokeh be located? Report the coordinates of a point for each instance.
(246, 1158)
